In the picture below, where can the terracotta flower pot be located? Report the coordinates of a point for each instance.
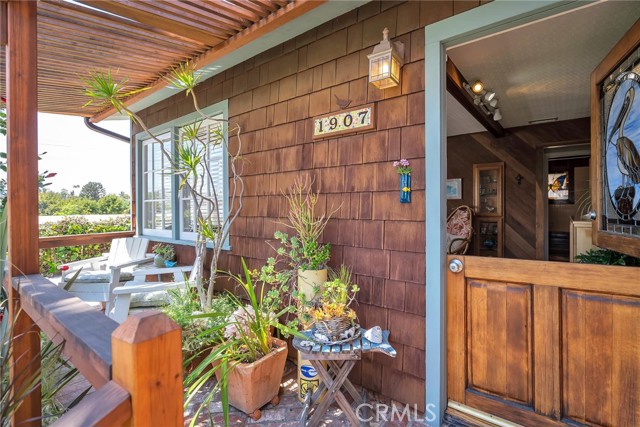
(253, 385)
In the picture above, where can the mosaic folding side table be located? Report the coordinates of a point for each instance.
(340, 360)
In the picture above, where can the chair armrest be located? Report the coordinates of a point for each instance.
(130, 263)
(163, 270)
(73, 265)
(137, 287)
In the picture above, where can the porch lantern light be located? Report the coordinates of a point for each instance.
(385, 62)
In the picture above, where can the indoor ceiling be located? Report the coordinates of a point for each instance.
(542, 70)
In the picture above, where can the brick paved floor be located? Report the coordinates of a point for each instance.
(286, 414)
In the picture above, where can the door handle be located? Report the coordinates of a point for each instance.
(592, 215)
(456, 266)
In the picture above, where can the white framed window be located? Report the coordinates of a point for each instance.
(157, 203)
(210, 141)
(165, 210)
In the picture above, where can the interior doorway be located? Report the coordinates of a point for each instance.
(568, 201)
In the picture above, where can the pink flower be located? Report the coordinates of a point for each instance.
(51, 175)
(404, 162)
(396, 164)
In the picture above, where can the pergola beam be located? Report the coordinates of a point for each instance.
(22, 186)
(286, 14)
(158, 19)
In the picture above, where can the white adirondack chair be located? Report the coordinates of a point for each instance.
(148, 294)
(100, 275)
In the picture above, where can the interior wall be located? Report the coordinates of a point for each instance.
(560, 214)
(274, 97)
(519, 151)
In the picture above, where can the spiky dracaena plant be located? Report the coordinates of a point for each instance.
(192, 164)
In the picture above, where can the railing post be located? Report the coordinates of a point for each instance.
(22, 182)
(147, 362)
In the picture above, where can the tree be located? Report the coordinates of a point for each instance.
(112, 204)
(93, 190)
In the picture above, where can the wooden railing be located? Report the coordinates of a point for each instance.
(81, 239)
(136, 367)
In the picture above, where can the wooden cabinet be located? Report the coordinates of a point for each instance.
(488, 237)
(580, 238)
(488, 201)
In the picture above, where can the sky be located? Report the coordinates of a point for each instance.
(79, 155)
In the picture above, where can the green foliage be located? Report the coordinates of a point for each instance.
(184, 305)
(93, 190)
(63, 203)
(309, 255)
(606, 257)
(3, 121)
(103, 91)
(167, 251)
(50, 259)
(112, 204)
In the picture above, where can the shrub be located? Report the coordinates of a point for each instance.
(50, 259)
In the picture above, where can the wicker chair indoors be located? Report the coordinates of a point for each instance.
(459, 230)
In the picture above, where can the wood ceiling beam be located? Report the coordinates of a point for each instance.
(268, 24)
(97, 19)
(218, 19)
(165, 23)
(232, 9)
(455, 87)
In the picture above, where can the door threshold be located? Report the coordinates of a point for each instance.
(459, 415)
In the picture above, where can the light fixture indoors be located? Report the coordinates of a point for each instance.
(385, 62)
(484, 98)
(477, 87)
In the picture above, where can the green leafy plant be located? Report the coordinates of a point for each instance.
(198, 333)
(244, 336)
(606, 257)
(167, 251)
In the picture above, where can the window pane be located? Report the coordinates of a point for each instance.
(168, 215)
(156, 185)
(187, 216)
(148, 214)
(147, 190)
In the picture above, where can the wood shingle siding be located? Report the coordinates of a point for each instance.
(274, 97)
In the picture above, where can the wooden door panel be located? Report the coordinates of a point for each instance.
(549, 345)
(499, 339)
(601, 358)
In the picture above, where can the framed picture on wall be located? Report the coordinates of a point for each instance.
(454, 189)
(615, 116)
(560, 186)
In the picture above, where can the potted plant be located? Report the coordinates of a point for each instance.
(330, 311)
(306, 257)
(165, 255)
(248, 360)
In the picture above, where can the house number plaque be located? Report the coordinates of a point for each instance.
(357, 119)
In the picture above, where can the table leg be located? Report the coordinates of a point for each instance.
(347, 384)
(333, 392)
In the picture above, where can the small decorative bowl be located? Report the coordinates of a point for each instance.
(168, 263)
